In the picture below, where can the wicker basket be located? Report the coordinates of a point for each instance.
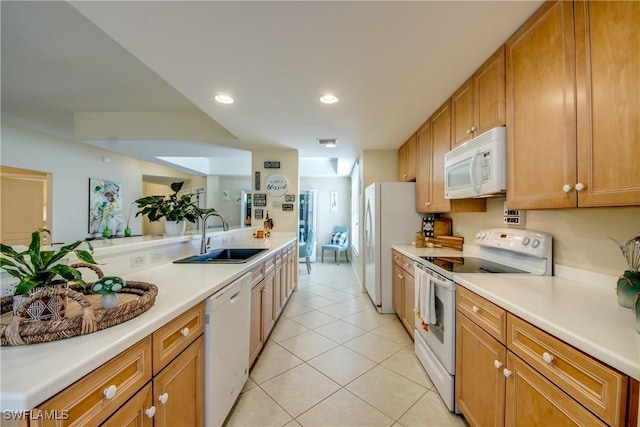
(84, 312)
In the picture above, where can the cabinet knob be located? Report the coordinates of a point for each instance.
(507, 373)
(497, 364)
(400, 276)
(163, 398)
(567, 188)
(579, 186)
(475, 309)
(473, 128)
(110, 391)
(428, 203)
(150, 412)
(184, 332)
(468, 131)
(547, 357)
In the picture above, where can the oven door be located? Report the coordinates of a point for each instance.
(440, 336)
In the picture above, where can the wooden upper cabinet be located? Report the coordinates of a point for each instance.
(441, 144)
(407, 160)
(541, 122)
(608, 95)
(423, 172)
(480, 104)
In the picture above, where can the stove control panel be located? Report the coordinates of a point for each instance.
(521, 241)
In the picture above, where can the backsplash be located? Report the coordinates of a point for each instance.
(579, 235)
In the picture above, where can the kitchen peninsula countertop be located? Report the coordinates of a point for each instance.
(30, 374)
(587, 317)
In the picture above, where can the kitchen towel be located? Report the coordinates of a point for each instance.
(425, 297)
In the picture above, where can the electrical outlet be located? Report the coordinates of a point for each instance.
(156, 257)
(7, 289)
(138, 261)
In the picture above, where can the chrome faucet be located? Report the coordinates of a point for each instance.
(225, 226)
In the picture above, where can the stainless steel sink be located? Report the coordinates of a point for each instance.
(223, 256)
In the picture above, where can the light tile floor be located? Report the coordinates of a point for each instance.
(332, 360)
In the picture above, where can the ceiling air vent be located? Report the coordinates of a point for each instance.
(329, 143)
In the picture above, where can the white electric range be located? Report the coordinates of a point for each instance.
(499, 251)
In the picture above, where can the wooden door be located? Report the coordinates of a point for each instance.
(25, 205)
(532, 400)
(541, 136)
(462, 114)
(423, 171)
(480, 382)
(411, 158)
(441, 144)
(608, 119)
(408, 300)
(182, 382)
(489, 103)
(137, 412)
(256, 338)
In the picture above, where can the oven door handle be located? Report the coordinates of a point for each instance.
(449, 284)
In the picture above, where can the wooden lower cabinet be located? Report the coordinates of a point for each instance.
(528, 377)
(533, 400)
(178, 390)
(137, 412)
(480, 383)
(256, 336)
(403, 290)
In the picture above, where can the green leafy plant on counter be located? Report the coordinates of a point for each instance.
(40, 267)
(171, 207)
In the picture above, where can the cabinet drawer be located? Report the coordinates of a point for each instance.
(485, 314)
(85, 401)
(176, 335)
(396, 258)
(407, 265)
(593, 384)
(269, 264)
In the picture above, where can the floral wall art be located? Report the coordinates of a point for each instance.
(105, 206)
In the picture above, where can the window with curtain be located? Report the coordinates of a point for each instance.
(355, 208)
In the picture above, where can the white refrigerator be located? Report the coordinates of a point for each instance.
(390, 217)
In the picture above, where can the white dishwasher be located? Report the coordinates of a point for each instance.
(226, 348)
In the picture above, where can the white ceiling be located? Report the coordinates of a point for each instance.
(391, 63)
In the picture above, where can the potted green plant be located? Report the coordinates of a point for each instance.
(175, 209)
(38, 268)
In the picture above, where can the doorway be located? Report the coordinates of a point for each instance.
(25, 205)
(308, 216)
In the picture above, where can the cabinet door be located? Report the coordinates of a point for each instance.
(480, 382)
(277, 290)
(489, 104)
(462, 114)
(178, 390)
(268, 308)
(396, 293)
(541, 140)
(608, 66)
(423, 171)
(256, 339)
(409, 297)
(441, 144)
(402, 163)
(535, 401)
(137, 412)
(407, 160)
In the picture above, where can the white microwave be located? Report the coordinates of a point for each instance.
(477, 168)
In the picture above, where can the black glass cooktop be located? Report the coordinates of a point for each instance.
(471, 265)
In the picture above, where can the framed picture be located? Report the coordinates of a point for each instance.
(258, 213)
(105, 206)
(334, 201)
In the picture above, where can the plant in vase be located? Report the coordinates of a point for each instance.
(39, 269)
(629, 282)
(175, 209)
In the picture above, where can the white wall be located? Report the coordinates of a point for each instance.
(72, 164)
(229, 208)
(327, 220)
(282, 221)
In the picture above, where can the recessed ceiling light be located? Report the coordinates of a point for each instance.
(329, 99)
(223, 99)
(328, 143)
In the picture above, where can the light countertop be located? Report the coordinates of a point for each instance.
(33, 373)
(587, 317)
